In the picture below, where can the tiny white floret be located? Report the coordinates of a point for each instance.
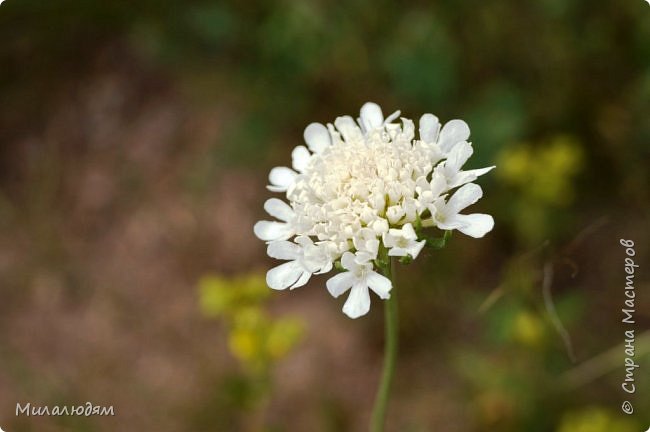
(359, 278)
(403, 242)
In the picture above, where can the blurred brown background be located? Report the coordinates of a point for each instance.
(135, 140)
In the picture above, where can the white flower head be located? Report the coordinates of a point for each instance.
(362, 191)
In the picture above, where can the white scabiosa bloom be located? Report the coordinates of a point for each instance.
(362, 191)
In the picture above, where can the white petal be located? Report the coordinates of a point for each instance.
(380, 284)
(392, 117)
(408, 232)
(300, 158)
(377, 201)
(371, 116)
(469, 176)
(269, 231)
(348, 128)
(284, 275)
(334, 134)
(390, 238)
(475, 225)
(304, 241)
(452, 132)
(317, 137)
(380, 226)
(348, 261)
(358, 302)
(370, 245)
(458, 156)
(407, 129)
(463, 197)
(325, 268)
(415, 250)
(397, 251)
(278, 209)
(283, 250)
(395, 213)
(438, 184)
(451, 223)
(362, 259)
(480, 171)
(339, 283)
(302, 280)
(429, 126)
(281, 178)
(317, 258)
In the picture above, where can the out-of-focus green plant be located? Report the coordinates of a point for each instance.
(542, 181)
(528, 328)
(255, 338)
(544, 174)
(510, 385)
(596, 419)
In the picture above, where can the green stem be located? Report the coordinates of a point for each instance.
(390, 354)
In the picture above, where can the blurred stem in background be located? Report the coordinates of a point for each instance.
(390, 352)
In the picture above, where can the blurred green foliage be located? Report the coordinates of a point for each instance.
(541, 179)
(254, 338)
(544, 174)
(512, 387)
(595, 419)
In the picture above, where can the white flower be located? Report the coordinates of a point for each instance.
(356, 192)
(270, 230)
(305, 258)
(403, 242)
(358, 278)
(446, 215)
(366, 243)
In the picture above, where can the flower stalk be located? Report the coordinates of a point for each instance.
(391, 325)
